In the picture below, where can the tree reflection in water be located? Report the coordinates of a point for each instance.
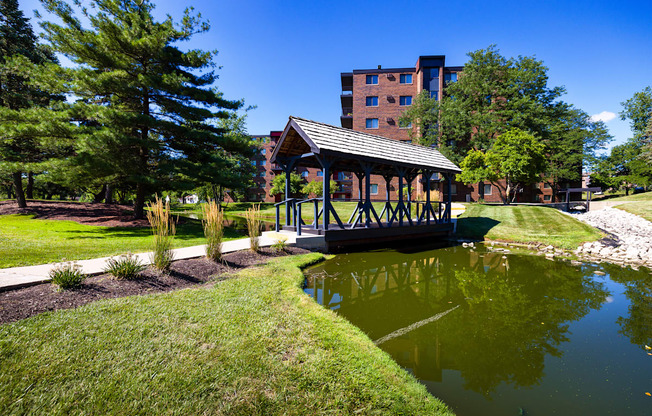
(493, 319)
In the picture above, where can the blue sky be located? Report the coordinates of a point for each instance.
(285, 57)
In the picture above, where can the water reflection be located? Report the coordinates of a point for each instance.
(496, 320)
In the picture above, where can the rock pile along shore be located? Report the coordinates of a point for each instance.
(631, 240)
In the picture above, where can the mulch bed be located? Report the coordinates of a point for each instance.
(84, 213)
(23, 303)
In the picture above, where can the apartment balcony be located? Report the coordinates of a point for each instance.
(347, 101)
(347, 81)
(347, 121)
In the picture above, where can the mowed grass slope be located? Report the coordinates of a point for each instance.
(525, 224)
(26, 241)
(250, 345)
(642, 209)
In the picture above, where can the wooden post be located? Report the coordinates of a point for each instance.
(448, 197)
(327, 191)
(367, 205)
(388, 180)
(400, 199)
(288, 170)
(427, 189)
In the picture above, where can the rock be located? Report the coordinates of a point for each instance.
(599, 273)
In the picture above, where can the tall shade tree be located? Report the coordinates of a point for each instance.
(23, 144)
(153, 105)
(516, 156)
(638, 110)
(494, 94)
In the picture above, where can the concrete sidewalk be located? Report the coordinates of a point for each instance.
(16, 277)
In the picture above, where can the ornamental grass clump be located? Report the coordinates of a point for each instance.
(253, 226)
(213, 222)
(126, 266)
(67, 276)
(280, 244)
(163, 228)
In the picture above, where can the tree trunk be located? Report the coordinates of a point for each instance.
(10, 191)
(29, 192)
(139, 204)
(97, 198)
(108, 195)
(626, 190)
(18, 184)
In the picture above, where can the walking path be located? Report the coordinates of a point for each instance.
(16, 277)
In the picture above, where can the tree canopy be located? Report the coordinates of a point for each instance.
(516, 156)
(26, 141)
(149, 114)
(495, 94)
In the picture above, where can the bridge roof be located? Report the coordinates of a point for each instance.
(304, 138)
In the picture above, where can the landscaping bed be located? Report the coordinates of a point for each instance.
(22, 303)
(107, 215)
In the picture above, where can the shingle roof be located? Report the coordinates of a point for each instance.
(347, 141)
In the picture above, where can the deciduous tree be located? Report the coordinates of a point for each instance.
(516, 156)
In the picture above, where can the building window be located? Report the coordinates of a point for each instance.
(374, 189)
(262, 152)
(404, 124)
(547, 198)
(372, 79)
(453, 189)
(372, 101)
(304, 174)
(405, 79)
(262, 174)
(546, 185)
(434, 94)
(371, 123)
(262, 163)
(405, 100)
(450, 77)
(320, 173)
(487, 189)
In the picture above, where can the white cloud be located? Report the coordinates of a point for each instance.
(605, 116)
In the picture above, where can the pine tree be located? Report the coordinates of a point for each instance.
(20, 147)
(153, 105)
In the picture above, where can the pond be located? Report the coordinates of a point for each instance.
(493, 333)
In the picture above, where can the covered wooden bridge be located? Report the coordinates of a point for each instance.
(308, 143)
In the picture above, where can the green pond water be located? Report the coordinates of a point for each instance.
(502, 333)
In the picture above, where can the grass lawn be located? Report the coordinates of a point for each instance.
(27, 241)
(268, 211)
(250, 345)
(524, 224)
(642, 209)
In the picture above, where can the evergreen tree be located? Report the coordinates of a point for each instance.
(23, 144)
(152, 106)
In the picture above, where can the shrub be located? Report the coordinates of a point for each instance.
(253, 226)
(213, 222)
(163, 228)
(67, 275)
(280, 244)
(126, 266)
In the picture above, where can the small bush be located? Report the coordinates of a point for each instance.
(67, 275)
(163, 228)
(213, 222)
(126, 267)
(253, 226)
(280, 244)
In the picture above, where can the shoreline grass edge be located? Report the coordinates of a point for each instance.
(252, 344)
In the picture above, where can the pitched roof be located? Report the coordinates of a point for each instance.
(324, 138)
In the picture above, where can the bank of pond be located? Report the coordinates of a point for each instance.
(497, 333)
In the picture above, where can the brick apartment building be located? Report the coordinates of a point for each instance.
(373, 100)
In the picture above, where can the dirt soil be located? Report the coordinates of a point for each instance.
(81, 212)
(23, 303)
